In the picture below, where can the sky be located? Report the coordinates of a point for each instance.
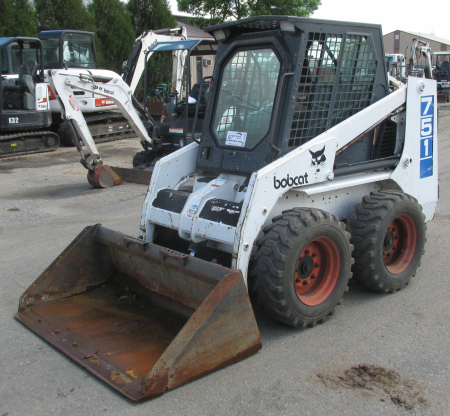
(430, 16)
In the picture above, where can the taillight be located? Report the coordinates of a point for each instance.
(51, 94)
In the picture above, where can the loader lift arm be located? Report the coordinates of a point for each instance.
(115, 89)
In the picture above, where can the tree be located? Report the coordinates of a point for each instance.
(210, 12)
(114, 31)
(63, 14)
(17, 18)
(150, 15)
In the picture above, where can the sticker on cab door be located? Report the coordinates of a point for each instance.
(236, 138)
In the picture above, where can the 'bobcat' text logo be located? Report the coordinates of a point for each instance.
(290, 181)
(318, 159)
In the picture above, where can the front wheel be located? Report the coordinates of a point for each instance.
(388, 232)
(302, 266)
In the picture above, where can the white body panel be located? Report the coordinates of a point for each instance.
(299, 179)
(41, 97)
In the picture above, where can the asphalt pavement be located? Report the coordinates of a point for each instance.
(401, 340)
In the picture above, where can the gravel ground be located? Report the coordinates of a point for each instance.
(45, 201)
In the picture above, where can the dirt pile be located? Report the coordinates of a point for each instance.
(381, 381)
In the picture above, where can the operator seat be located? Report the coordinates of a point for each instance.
(195, 93)
(20, 95)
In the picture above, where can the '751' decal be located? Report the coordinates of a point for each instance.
(426, 136)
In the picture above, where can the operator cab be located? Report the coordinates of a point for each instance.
(23, 98)
(284, 80)
(68, 49)
(24, 108)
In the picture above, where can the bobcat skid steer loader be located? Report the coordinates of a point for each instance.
(308, 170)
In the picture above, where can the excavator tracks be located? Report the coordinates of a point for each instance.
(26, 143)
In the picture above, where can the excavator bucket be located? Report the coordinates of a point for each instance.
(105, 176)
(140, 317)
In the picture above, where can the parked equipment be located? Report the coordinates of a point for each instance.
(442, 73)
(24, 109)
(158, 139)
(74, 52)
(307, 170)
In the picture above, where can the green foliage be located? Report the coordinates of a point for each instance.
(63, 14)
(210, 12)
(17, 18)
(302, 8)
(114, 31)
(150, 15)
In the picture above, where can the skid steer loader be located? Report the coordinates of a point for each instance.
(308, 170)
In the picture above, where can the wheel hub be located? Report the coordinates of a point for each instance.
(305, 267)
(388, 241)
(399, 244)
(316, 271)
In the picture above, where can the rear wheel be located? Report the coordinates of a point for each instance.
(302, 266)
(388, 233)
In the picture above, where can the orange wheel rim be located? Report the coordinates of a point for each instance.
(317, 270)
(399, 244)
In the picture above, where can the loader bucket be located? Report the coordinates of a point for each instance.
(140, 317)
(105, 176)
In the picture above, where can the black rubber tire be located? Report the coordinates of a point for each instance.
(64, 135)
(368, 225)
(139, 158)
(145, 159)
(274, 264)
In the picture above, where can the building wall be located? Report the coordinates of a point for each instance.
(207, 71)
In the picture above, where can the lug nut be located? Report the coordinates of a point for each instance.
(394, 247)
(297, 280)
(306, 251)
(314, 255)
(313, 276)
(316, 265)
(305, 283)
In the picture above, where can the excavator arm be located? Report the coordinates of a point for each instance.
(114, 88)
(419, 49)
(134, 67)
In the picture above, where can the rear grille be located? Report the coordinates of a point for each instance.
(387, 145)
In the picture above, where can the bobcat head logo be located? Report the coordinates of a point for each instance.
(318, 159)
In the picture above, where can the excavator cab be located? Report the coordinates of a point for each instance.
(24, 98)
(68, 49)
(185, 109)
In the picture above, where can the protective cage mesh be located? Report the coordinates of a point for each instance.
(337, 76)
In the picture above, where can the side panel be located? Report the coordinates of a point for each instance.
(417, 173)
